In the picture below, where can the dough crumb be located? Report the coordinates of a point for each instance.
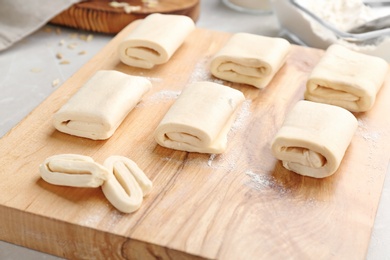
(73, 35)
(64, 62)
(116, 4)
(36, 70)
(125, 6)
(129, 9)
(72, 45)
(59, 55)
(55, 82)
(47, 29)
(86, 38)
(150, 3)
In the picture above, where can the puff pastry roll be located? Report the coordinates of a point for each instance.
(73, 170)
(250, 59)
(101, 104)
(126, 185)
(314, 138)
(200, 118)
(347, 79)
(155, 40)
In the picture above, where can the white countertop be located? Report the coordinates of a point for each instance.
(29, 68)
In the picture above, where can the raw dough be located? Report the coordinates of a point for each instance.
(123, 183)
(73, 170)
(200, 119)
(250, 59)
(100, 106)
(313, 138)
(155, 40)
(347, 79)
(126, 185)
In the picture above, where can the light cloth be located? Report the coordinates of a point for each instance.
(20, 18)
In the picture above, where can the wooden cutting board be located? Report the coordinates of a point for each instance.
(238, 205)
(100, 16)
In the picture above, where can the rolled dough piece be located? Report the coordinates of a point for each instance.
(155, 40)
(250, 59)
(200, 118)
(126, 184)
(73, 170)
(347, 79)
(100, 106)
(313, 138)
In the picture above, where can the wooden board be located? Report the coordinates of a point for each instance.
(239, 205)
(99, 16)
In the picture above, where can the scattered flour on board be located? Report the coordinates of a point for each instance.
(211, 159)
(154, 79)
(160, 96)
(265, 181)
(260, 181)
(242, 117)
(91, 220)
(373, 140)
(372, 137)
(228, 159)
(115, 217)
(201, 72)
(164, 95)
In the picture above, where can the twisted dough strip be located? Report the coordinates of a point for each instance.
(126, 184)
(73, 170)
(123, 183)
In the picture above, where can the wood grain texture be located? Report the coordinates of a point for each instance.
(99, 16)
(241, 204)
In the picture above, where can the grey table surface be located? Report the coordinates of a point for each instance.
(29, 68)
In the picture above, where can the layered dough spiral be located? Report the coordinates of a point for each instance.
(155, 40)
(347, 79)
(314, 138)
(250, 59)
(200, 118)
(101, 104)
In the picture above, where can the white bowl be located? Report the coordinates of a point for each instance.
(306, 28)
